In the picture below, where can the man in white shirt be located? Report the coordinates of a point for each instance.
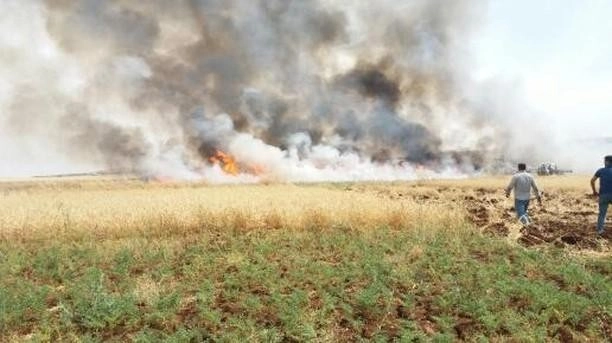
(522, 183)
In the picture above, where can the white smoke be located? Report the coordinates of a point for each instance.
(296, 90)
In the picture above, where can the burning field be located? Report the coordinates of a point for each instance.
(261, 179)
(241, 91)
(108, 258)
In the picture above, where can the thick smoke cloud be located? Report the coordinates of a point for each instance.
(302, 89)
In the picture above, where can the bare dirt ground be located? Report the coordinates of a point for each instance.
(566, 218)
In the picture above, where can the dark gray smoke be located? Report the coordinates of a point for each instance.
(122, 149)
(298, 86)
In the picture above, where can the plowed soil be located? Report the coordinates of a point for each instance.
(566, 218)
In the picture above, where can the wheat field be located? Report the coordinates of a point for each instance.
(81, 209)
(101, 208)
(118, 259)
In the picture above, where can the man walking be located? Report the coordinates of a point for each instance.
(605, 191)
(522, 183)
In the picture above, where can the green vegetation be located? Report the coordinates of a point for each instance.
(318, 284)
(86, 261)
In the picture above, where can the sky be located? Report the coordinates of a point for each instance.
(557, 53)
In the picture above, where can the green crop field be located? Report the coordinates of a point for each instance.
(116, 260)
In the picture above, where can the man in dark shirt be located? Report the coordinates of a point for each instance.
(605, 191)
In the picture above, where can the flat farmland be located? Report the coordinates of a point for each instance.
(115, 259)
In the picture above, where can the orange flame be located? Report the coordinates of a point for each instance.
(226, 161)
(228, 164)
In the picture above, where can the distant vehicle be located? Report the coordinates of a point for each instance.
(548, 168)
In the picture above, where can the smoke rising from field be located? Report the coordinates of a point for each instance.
(296, 89)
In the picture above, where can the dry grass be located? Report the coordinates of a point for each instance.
(122, 260)
(114, 208)
(117, 209)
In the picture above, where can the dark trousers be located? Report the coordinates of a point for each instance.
(604, 201)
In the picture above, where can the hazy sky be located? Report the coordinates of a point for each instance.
(558, 53)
